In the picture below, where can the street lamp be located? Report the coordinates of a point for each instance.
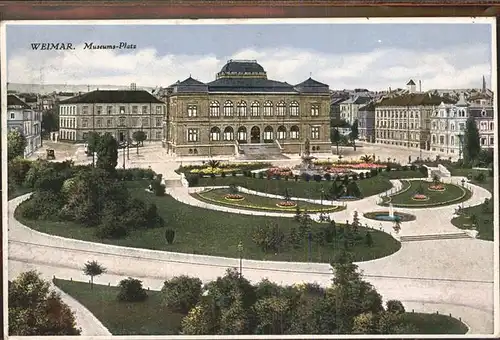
(463, 182)
(240, 252)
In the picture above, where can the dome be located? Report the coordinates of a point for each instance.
(242, 68)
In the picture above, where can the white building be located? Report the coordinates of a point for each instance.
(21, 117)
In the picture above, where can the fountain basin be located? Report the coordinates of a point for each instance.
(385, 216)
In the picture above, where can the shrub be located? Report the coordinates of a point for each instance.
(261, 175)
(369, 239)
(193, 180)
(317, 178)
(233, 173)
(362, 175)
(131, 290)
(355, 176)
(18, 168)
(413, 167)
(389, 167)
(111, 228)
(286, 178)
(328, 177)
(170, 235)
(480, 177)
(182, 293)
(212, 175)
(395, 306)
(43, 206)
(223, 175)
(158, 187)
(296, 177)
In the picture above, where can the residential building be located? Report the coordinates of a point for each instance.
(350, 107)
(243, 109)
(21, 117)
(366, 123)
(119, 112)
(405, 120)
(335, 107)
(448, 125)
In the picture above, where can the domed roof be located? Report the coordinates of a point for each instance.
(242, 66)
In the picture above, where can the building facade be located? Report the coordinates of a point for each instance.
(448, 125)
(119, 112)
(21, 117)
(366, 123)
(405, 120)
(350, 107)
(242, 107)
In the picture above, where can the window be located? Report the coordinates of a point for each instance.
(85, 135)
(483, 141)
(228, 108)
(294, 132)
(134, 121)
(98, 122)
(315, 132)
(12, 115)
(98, 110)
(242, 109)
(254, 109)
(215, 134)
(441, 139)
(109, 110)
(145, 121)
(294, 108)
(109, 122)
(121, 121)
(214, 109)
(228, 133)
(268, 133)
(281, 132)
(242, 134)
(315, 110)
(192, 110)
(491, 126)
(452, 127)
(158, 110)
(268, 108)
(158, 121)
(192, 135)
(135, 109)
(452, 140)
(158, 134)
(281, 107)
(85, 110)
(122, 109)
(85, 123)
(144, 109)
(492, 141)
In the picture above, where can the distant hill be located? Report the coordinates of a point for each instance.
(49, 88)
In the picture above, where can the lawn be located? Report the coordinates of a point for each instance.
(394, 174)
(452, 195)
(483, 224)
(150, 317)
(486, 184)
(312, 189)
(18, 191)
(255, 202)
(204, 231)
(435, 323)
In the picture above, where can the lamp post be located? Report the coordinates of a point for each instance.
(124, 157)
(463, 182)
(240, 252)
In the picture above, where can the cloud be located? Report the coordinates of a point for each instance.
(451, 67)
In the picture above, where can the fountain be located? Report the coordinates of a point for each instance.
(307, 165)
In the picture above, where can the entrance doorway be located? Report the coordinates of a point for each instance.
(255, 135)
(121, 137)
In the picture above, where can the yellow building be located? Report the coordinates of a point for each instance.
(244, 112)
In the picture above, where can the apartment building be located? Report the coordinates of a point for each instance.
(21, 117)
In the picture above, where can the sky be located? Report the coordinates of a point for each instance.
(344, 56)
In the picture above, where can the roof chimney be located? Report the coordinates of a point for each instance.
(419, 86)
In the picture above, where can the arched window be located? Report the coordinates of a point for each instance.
(228, 108)
(294, 132)
(215, 134)
(254, 109)
(214, 109)
(242, 109)
(242, 134)
(452, 127)
(268, 134)
(268, 108)
(452, 140)
(434, 125)
(281, 132)
(228, 133)
(411, 126)
(396, 125)
(294, 108)
(433, 139)
(281, 108)
(491, 126)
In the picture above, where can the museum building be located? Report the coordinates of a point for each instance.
(242, 111)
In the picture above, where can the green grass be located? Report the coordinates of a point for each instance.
(486, 184)
(18, 191)
(255, 202)
(484, 223)
(435, 323)
(150, 317)
(312, 189)
(204, 231)
(402, 174)
(452, 195)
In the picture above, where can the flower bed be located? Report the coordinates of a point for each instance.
(420, 197)
(437, 187)
(278, 171)
(234, 197)
(286, 204)
(335, 170)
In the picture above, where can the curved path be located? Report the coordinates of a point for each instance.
(426, 274)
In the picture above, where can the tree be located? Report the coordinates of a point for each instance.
(93, 269)
(170, 235)
(34, 310)
(50, 120)
(369, 239)
(365, 323)
(335, 137)
(395, 306)
(182, 293)
(367, 159)
(471, 145)
(139, 137)
(203, 319)
(93, 141)
(355, 222)
(16, 144)
(131, 290)
(354, 133)
(107, 152)
(235, 319)
(272, 315)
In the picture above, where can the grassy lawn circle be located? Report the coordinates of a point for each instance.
(209, 232)
(153, 318)
(260, 203)
(452, 194)
(404, 217)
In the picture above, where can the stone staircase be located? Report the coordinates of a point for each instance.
(261, 151)
(448, 236)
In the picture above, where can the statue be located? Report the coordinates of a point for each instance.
(307, 147)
